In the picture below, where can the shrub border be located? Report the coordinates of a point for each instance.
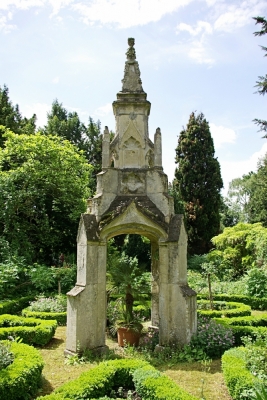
(14, 306)
(60, 317)
(236, 376)
(21, 379)
(30, 330)
(245, 326)
(96, 382)
(255, 302)
(238, 310)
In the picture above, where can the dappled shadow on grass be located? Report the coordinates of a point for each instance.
(45, 389)
(53, 344)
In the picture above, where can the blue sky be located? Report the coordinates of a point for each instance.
(194, 55)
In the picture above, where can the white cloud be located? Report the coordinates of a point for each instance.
(55, 80)
(5, 26)
(199, 53)
(236, 16)
(221, 134)
(127, 13)
(21, 4)
(200, 27)
(40, 109)
(235, 169)
(104, 110)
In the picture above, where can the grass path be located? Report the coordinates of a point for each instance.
(190, 376)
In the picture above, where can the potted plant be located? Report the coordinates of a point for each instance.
(126, 280)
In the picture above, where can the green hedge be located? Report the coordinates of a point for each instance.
(236, 376)
(30, 330)
(21, 379)
(14, 306)
(254, 302)
(245, 326)
(101, 380)
(235, 310)
(60, 317)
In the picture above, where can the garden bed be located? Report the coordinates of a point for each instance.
(21, 379)
(29, 330)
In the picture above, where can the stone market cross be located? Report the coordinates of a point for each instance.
(131, 198)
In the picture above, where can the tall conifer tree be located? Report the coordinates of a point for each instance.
(199, 183)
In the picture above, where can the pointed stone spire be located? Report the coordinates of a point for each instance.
(131, 81)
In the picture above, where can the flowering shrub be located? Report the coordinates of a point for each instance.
(6, 356)
(49, 304)
(213, 338)
(151, 339)
(256, 356)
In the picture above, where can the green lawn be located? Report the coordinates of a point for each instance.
(190, 376)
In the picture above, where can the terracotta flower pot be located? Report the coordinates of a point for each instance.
(128, 336)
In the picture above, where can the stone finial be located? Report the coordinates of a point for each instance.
(158, 149)
(131, 56)
(131, 81)
(105, 149)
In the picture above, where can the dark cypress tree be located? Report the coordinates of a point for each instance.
(199, 183)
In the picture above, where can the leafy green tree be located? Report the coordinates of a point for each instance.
(199, 183)
(230, 213)
(68, 125)
(11, 118)
(262, 82)
(239, 248)
(239, 193)
(43, 187)
(65, 124)
(258, 198)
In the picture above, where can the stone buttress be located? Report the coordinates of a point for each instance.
(131, 197)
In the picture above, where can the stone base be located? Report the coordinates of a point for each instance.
(98, 351)
(159, 348)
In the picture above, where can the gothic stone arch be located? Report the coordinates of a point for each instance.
(132, 197)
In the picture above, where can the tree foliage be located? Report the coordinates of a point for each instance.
(68, 125)
(43, 187)
(239, 248)
(258, 198)
(261, 84)
(11, 118)
(199, 183)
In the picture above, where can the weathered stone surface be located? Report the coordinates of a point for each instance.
(131, 197)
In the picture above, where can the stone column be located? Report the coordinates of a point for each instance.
(155, 284)
(86, 322)
(177, 302)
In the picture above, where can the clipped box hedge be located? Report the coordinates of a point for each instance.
(14, 306)
(255, 303)
(60, 317)
(21, 379)
(236, 376)
(235, 310)
(245, 326)
(101, 380)
(30, 330)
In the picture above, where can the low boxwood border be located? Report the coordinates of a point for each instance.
(30, 330)
(60, 317)
(14, 306)
(236, 310)
(100, 380)
(236, 376)
(255, 302)
(245, 326)
(21, 379)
